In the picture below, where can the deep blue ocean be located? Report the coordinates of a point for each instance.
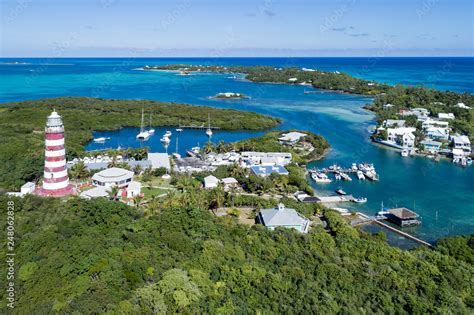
(442, 193)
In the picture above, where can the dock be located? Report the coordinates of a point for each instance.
(198, 127)
(367, 219)
(333, 199)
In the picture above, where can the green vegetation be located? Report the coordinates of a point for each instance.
(400, 96)
(102, 257)
(22, 127)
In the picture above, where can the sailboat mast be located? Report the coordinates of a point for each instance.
(141, 125)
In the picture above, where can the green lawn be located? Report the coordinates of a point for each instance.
(149, 192)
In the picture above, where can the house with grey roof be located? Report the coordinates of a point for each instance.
(284, 217)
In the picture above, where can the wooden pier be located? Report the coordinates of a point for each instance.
(391, 228)
(198, 127)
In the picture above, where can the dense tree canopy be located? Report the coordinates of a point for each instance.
(105, 257)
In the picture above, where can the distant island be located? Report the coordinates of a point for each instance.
(390, 103)
(229, 96)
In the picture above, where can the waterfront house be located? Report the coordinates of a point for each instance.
(281, 216)
(211, 182)
(431, 122)
(420, 113)
(393, 123)
(264, 171)
(291, 138)
(430, 145)
(437, 133)
(403, 137)
(458, 155)
(445, 116)
(403, 217)
(112, 177)
(266, 158)
(462, 143)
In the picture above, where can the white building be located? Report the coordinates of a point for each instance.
(96, 192)
(27, 188)
(112, 177)
(159, 160)
(389, 123)
(462, 105)
(283, 217)
(266, 158)
(134, 189)
(462, 143)
(446, 116)
(291, 138)
(229, 183)
(437, 133)
(211, 182)
(402, 136)
(430, 122)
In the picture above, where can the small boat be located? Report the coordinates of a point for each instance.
(176, 155)
(372, 175)
(405, 153)
(179, 130)
(360, 200)
(194, 151)
(346, 177)
(101, 139)
(354, 167)
(341, 192)
(338, 176)
(320, 177)
(167, 134)
(468, 161)
(360, 175)
(151, 131)
(144, 134)
(165, 140)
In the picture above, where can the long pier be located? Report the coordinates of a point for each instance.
(391, 228)
(198, 127)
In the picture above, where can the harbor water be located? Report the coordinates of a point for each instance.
(442, 193)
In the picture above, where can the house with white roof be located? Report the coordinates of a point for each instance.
(134, 189)
(159, 160)
(446, 116)
(403, 137)
(430, 122)
(462, 143)
(281, 216)
(229, 183)
(211, 182)
(420, 113)
(264, 171)
(114, 176)
(462, 105)
(389, 123)
(291, 138)
(437, 133)
(430, 145)
(96, 192)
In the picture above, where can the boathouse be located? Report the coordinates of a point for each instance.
(403, 217)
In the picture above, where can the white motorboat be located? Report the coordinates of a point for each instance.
(341, 192)
(101, 139)
(354, 167)
(346, 177)
(167, 134)
(320, 178)
(151, 131)
(179, 130)
(360, 175)
(360, 200)
(405, 153)
(372, 175)
(338, 176)
(165, 140)
(144, 134)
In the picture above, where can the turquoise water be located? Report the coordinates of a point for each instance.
(442, 193)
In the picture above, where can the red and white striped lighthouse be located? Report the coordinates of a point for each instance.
(56, 180)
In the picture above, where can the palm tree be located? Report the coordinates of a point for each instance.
(209, 147)
(113, 193)
(137, 200)
(218, 197)
(79, 171)
(137, 169)
(221, 146)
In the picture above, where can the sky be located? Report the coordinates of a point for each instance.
(143, 28)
